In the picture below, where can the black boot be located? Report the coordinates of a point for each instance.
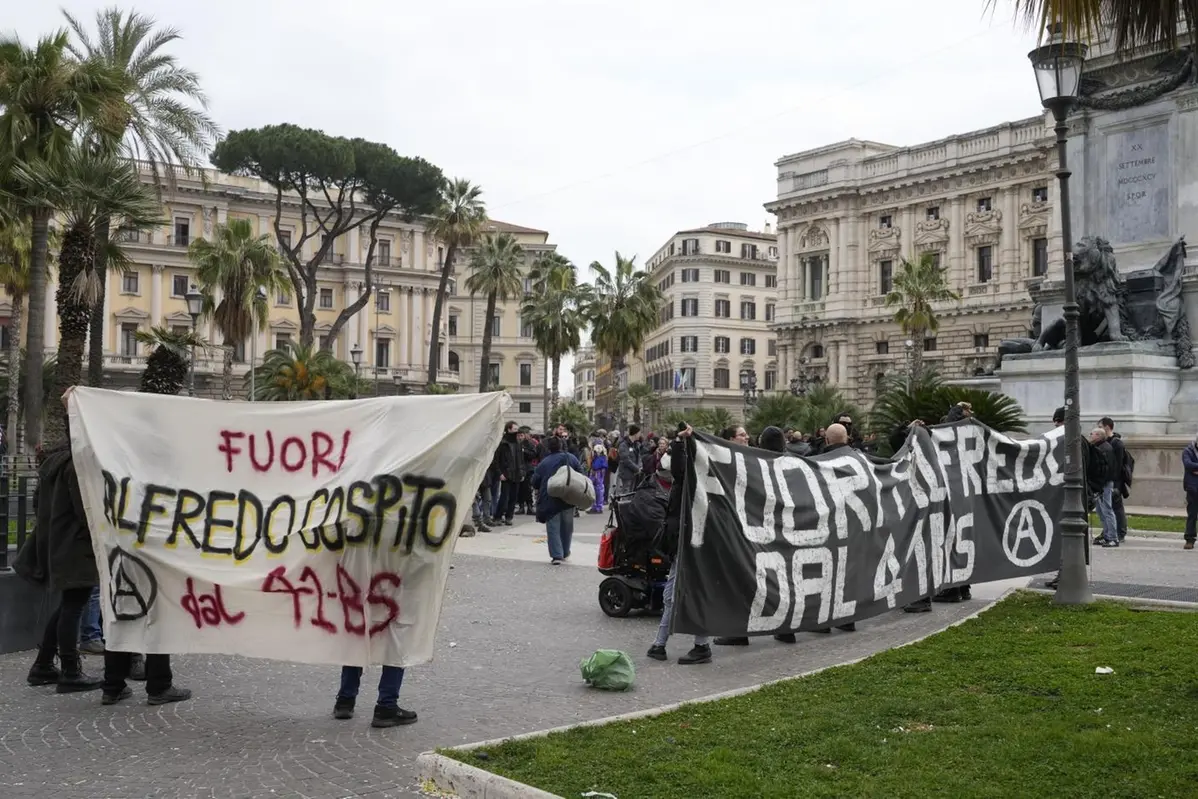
(73, 679)
(698, 655)
(919, 606)
(948, 595)
(731, 641)
(392, 717)
(43, 672)
(786, 638)
(343, 709)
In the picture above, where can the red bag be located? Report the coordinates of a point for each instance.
(607, 550)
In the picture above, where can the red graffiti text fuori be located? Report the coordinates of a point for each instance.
(265, 452)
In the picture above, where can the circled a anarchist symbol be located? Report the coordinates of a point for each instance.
(1027, 521)
(132, 586)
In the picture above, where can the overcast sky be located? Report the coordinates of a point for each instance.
(610, 124)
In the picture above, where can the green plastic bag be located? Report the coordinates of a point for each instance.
(608, 670)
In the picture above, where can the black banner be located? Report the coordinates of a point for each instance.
(778, 543)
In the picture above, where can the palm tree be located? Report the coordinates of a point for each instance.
(552, 310)
(49, 381)
(45, 96)
(622, 309)
(929, 399)
(169, 361)
(237, 264)
(641, 395)
(164, 122)
(458, 222)
(570, 413)
(302, 373)
(87, 186)
(916, 289)
(495, 272)
(1133, 22)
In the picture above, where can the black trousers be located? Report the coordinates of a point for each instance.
(62, 628)
(1191, 515)
(507, 500)
(1120, 514)
(525, 498)
(117, 666)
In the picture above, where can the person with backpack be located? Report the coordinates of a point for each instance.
(1125, 466)
(1189, 459)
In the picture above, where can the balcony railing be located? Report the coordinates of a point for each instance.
(181, 239)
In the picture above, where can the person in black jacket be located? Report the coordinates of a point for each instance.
(679, 452)
(1124, 464)
(1100, 480)
(507, 461)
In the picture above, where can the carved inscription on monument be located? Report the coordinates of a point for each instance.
(1138, 185)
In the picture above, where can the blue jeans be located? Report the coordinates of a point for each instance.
(560, 530)
(390, 681)
(1102, 505)
(667, 613)
(496, 497)
(90, 629)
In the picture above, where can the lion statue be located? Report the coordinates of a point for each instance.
(1101, 298)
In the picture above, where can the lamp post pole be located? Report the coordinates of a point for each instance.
(195, 307)
(355, 355)
(910, 348)
(1058, 66)
(259, 298)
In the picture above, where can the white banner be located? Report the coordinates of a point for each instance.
(318, 532)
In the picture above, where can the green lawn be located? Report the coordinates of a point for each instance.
(1167, 524)
(1004, 705)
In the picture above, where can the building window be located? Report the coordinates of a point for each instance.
(182, 232)
(666, 313)
(885, 222)
(981, 341)
(723, 309)
(689, 344)
(127, 235)
(882, 347)
(526, 330)
(748, 252)
(1040, 194)
(686, 379)
(933, 212)
(282, 341)
(934, 258)
(382, 353)
(326, 298)
(1039, 257)
(748, 346)
(885, 276)
(769, 312)
(748, 279)
(817, 278)
(284, 237)
(690, 275)
(493, 376)
(723, 344)
(239, 352)
(985, 266)
(771, 281)
(817, 351)
(690, 247)
(748, 310)
(129, 281)
(771, 348)
(723, 275)
(525, 407)
(723, 246)
(720, 377)
(179, 285)
(771, 379)
(495, 328)
(382, 255)
(590, 375)
(453, 324)
(526, 374)
(929, 344)
(590, 393)
(690, 307)
(129, 340)
(324, 343)
(382, 301)
(983, 205)
(773, 252)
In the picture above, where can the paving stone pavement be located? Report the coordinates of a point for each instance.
(512, 633)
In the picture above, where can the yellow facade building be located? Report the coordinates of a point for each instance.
(393, 331)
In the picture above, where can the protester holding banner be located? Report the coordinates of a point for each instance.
(675, 463)
(387, 712)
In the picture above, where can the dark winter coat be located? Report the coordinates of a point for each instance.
(1189, 460)
(509, 459)
(59, 552)
(1100, 468)
(548, 506)
(680, 493)
(800, 448)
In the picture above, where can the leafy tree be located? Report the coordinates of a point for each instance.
(457, 220)
(87, 186)
(45, 96)
(245, 270)
(622, 309)
(570, 413)
(807, 413)
(642, 396)
(1134, 22)
(553, 311)
(440, 388)
(164, 125)
(12, 395)
(917, 288)
(169, 361)
(716, 420)
(300, 372)
(495, 272)
(929, 399)
(341, 185)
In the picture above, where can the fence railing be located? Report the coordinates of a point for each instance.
(16, 512)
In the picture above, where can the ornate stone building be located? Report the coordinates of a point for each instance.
(584, 377)
(848, 214)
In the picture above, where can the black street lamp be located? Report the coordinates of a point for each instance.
(1058, 66)
(355, 355)
(195, 307)
(748, 387)
(800, 385)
